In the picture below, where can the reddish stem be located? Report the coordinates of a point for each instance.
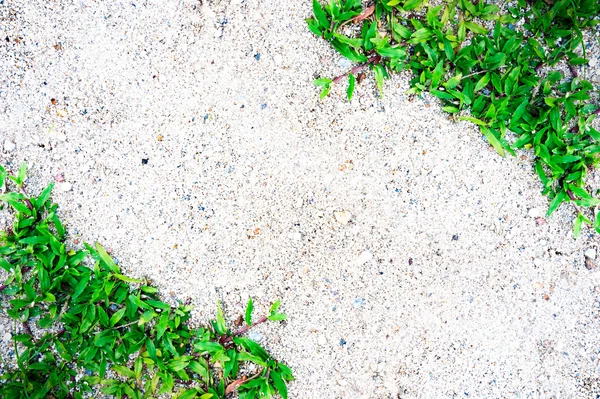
(373, 60)
(27, 201)
(573, 198)
(247, 327)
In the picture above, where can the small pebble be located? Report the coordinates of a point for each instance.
(455, 237)
(145, 161)
(534, 213)
(365, 257)
(257, 56)
(60, 136)
(65, 186)
(590, 253)
(358, 302)
(322, 340)
(342, 342)
(9, 145)
(342, 217)
(344, 63)
(255, 336)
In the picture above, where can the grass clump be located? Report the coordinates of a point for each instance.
(114, 328)
(484, 70)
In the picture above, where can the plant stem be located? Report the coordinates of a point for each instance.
(473, 74)
(27, 201)
(373, 60)
(247, 327)
(572, 197)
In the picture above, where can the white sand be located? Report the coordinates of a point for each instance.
(239, 201)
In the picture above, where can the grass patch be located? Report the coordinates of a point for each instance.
(485, 70)
(112, 328)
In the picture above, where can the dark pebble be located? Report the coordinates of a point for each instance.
(257, 56)
(145, 161)
(263, 106)
(455, 237)
(342, 342)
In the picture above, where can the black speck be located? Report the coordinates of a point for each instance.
(342, 342)
(410, 261)
(7, 39)
(145, 161)
(380, 273)
(257, 56)
(455, 237)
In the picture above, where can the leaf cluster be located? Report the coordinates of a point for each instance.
(115, 328)
(470, 56)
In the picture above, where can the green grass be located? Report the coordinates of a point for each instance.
(502, 79)
(93, 319)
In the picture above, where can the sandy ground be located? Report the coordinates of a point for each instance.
(409, 256)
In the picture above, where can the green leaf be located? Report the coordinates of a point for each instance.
(555, 203)
(127, 279)
(519, 112)
(22, 175)
(43, 197)
(146, 317)
(219, 324)
(474, 120)
(277, 317)
(124, 371)
(411, 4)
(117, 316)
(492, 139)
(188, 394)
(483, 81)
(108, 261)
(249, 310)
(379, 74)
(206, 346)
(322, 82)
(476, 28)
(325, 92)
(320, 15)
(578, 224)
(279, 383)
(351, 83)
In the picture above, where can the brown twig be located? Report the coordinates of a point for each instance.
(373, 60)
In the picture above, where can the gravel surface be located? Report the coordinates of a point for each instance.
(187, 137)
